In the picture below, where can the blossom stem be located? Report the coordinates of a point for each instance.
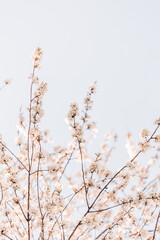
(154, 233)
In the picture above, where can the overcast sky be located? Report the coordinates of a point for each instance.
(116, 43)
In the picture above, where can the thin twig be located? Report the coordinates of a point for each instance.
(38, 195)
(29, 163)
(83, 175)
(154, 234)
(14, 155)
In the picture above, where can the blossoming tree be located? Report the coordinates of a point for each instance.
(43, 198)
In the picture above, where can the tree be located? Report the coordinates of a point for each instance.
(44, 198)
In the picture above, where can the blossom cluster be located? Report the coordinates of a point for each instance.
(70, 193)
(37, 56)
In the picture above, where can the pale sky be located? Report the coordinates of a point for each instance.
(116, 43)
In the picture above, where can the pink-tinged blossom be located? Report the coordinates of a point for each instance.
(7, 81)
(37, 56)
(144, 133)
(144, 146)
(157, 121)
